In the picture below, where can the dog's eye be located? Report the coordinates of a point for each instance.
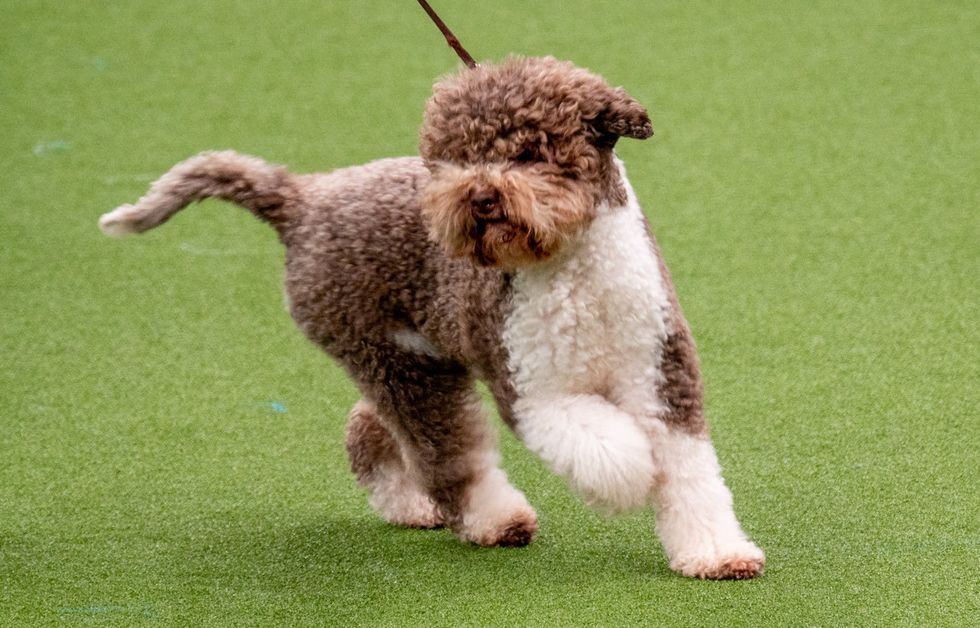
(528, 154)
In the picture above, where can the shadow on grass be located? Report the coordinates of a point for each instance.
(363, 558)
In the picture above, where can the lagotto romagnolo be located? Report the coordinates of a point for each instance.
(512, 251)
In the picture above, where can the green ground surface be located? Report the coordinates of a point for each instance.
(171, 447)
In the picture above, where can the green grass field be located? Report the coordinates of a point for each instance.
(171, 447)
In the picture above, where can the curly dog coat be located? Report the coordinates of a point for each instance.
(513, 251)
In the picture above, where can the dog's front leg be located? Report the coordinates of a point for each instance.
(601, 450)
(695, 518)
(618, 461)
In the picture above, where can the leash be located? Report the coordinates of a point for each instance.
(451, 39)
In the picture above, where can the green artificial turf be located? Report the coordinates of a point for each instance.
(171, 447)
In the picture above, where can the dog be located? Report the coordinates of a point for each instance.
(512, 251)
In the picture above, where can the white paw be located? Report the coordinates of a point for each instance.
(514, 529)
(399, 498)
(496, 514)
(738, 562)
(412, 509)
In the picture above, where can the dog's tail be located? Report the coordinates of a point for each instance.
(262, 188)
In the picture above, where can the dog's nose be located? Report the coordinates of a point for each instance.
(486, 205)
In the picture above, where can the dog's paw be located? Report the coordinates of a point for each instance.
(495, 514)
(734, 563)
(517, 530)
(409, 508)
(417, 512)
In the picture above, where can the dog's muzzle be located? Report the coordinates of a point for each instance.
(485, 205)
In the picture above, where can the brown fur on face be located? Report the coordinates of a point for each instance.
(537, 209)
(534, 162)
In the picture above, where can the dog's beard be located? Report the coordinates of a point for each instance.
(539, 211)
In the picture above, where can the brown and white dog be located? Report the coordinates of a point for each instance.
(513, 251)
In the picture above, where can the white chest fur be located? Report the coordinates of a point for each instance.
(586, 337)
(593, 320)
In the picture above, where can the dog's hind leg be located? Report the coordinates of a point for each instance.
(433, 413)
(396, 491)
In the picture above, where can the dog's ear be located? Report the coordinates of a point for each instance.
(623, 116)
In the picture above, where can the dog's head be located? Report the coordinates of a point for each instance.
(521, 156)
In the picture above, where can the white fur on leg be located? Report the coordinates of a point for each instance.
(695, 518)
(599, 449)
(400, 499)
(496, 513)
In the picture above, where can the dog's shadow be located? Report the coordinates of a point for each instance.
(361, 555)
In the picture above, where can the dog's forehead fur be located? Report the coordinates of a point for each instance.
(523, 108)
